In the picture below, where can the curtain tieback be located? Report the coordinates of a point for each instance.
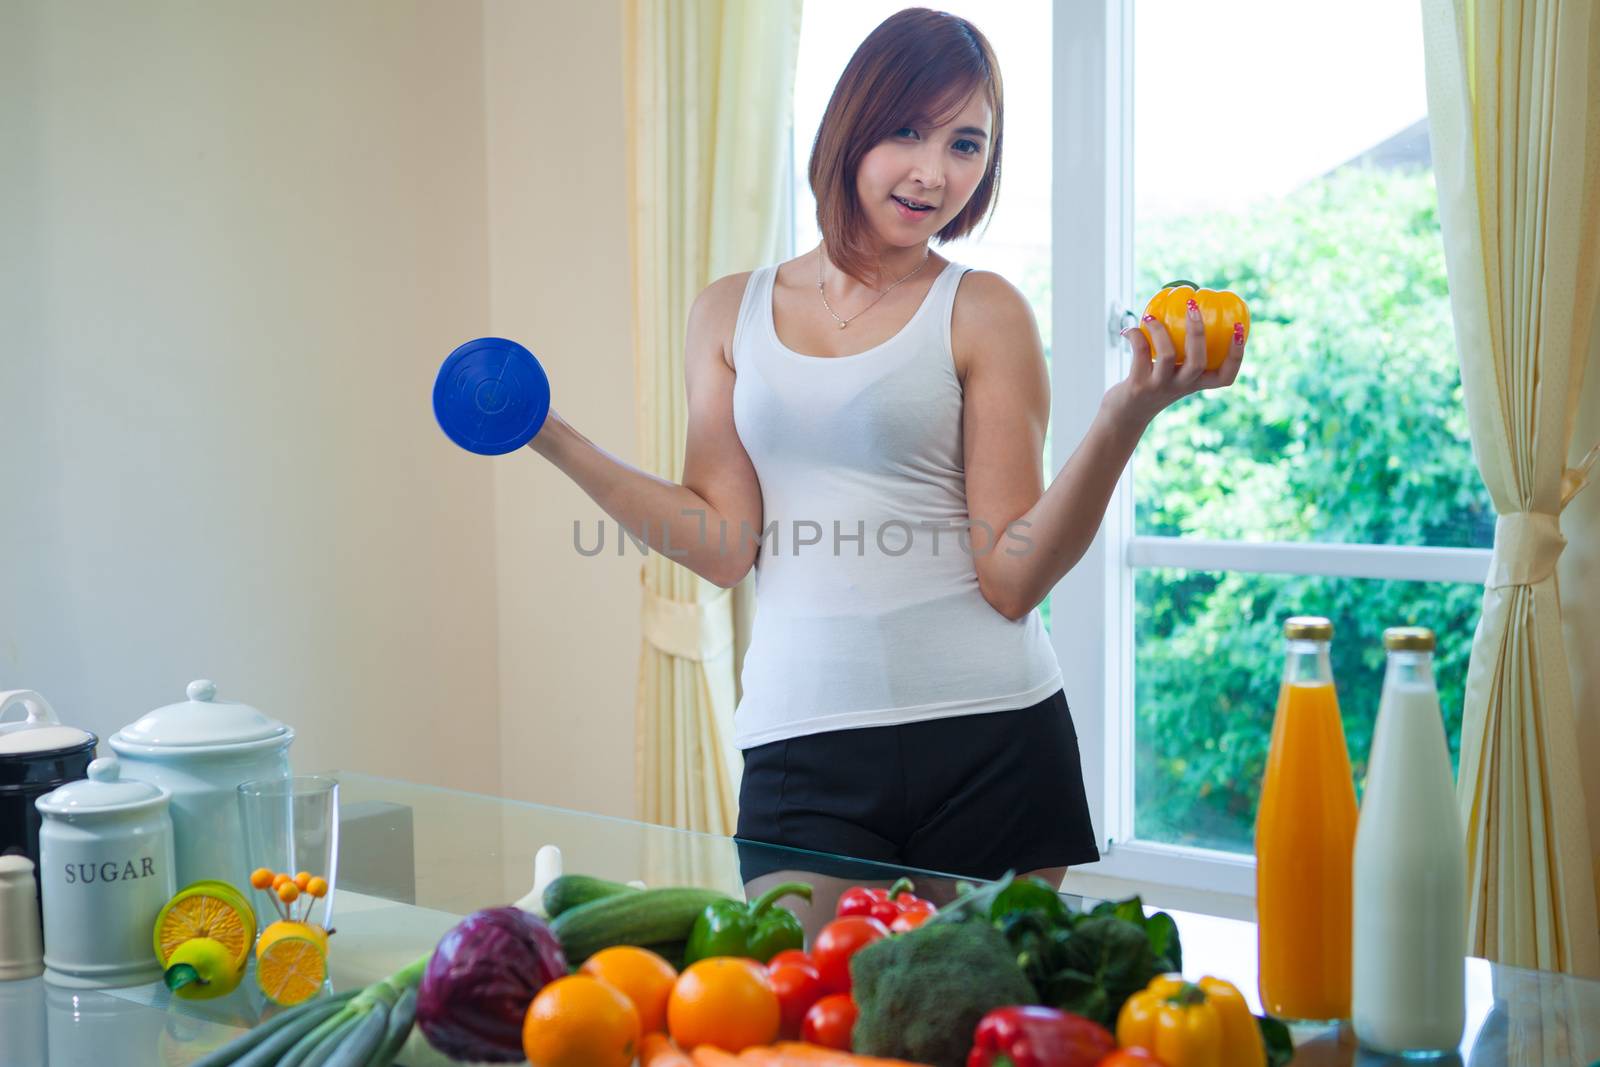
(1526, 547)
(1527, 544)
(693, 630)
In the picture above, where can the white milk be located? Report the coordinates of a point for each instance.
(1410, 927)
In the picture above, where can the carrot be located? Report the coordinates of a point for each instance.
(712, 1056)
(657, 1050)
(761, 1056)
(802, 1054)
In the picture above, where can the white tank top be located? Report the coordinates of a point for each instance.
(868, 611)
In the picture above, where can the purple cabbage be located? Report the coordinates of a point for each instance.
(482, 977)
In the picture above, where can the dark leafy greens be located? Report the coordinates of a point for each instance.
(1087, 963)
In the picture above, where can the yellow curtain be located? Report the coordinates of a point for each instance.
(708, 120)
(1514, 108)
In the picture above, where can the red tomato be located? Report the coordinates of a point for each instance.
(830, 1021)
(798, 986)
(1130, 1057)
(790, 954)
(913, 916)
(879, 904)
(837, 942)
(859, 901)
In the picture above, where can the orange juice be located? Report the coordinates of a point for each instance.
(1305, 841)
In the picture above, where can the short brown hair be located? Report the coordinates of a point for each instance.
(919, 67)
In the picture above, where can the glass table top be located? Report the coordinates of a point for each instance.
(414, 859)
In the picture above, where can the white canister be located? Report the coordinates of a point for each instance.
(105, 871)
(199, 750)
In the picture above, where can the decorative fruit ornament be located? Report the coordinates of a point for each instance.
(206, 909)
(292, 955)
(291, 961)
(1219, 309)
(200, 969)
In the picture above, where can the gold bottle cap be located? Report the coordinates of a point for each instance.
(1408, 639)
(1308, 628)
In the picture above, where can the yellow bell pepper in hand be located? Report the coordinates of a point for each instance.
(1192, 1024)
(1220, 310)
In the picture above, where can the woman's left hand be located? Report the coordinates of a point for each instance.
(1154, 384)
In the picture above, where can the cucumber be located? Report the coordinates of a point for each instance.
(643, 917)
(571, 890)
(671, 951)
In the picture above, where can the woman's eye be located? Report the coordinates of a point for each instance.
(965, 146)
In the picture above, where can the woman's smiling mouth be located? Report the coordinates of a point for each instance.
(906, 208)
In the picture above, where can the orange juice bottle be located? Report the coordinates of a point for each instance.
(1305, 840)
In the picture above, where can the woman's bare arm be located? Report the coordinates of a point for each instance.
(1005, 407)
(719, 490)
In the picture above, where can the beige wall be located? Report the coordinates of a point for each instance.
(560, 283)
(235, 242)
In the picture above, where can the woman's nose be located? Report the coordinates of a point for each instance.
(928, 168)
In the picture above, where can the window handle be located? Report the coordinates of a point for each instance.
(1117, 320)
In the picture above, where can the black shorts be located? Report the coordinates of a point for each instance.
(974, 795)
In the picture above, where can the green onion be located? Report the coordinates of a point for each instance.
(400, 1020)
(300, 1037)
(302, 1050)
(228, 1053)
(333, 1042)
(362, 1041)
(269, 1051)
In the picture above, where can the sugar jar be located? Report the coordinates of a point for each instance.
(105, 871)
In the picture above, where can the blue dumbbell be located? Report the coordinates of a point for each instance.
(491, 396)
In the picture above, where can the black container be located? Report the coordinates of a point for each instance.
(27, 776)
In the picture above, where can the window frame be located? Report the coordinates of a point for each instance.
(1092, 280)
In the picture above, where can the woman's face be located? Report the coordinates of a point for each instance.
(937, 166)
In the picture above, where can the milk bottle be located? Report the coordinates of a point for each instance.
(1410, 927)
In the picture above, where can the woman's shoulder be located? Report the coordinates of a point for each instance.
(989, 313)
(715, 311)
(986, 300)
(727, 289)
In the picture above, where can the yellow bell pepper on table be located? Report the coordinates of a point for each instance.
(1192, 1024)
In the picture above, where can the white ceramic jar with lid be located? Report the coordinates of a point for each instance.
(199, 750)
(105, 871)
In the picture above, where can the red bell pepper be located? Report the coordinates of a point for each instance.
(886, 905)
(1038, 1037)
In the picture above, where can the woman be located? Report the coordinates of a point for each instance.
(866, 426)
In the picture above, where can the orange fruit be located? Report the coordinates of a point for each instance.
(726, 1002)
(642, 976)
(580, 1021)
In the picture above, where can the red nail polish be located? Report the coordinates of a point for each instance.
(1238, 333)
(1149, 318)
(1193, 304)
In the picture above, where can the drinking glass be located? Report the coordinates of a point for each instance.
(292, 825)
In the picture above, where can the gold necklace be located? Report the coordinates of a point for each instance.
(845, 322)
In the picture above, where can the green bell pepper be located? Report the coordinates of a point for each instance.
(758, 930)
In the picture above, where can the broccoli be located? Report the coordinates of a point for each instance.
(921, 994)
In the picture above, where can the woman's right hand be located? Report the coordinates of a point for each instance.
(1156, 383)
